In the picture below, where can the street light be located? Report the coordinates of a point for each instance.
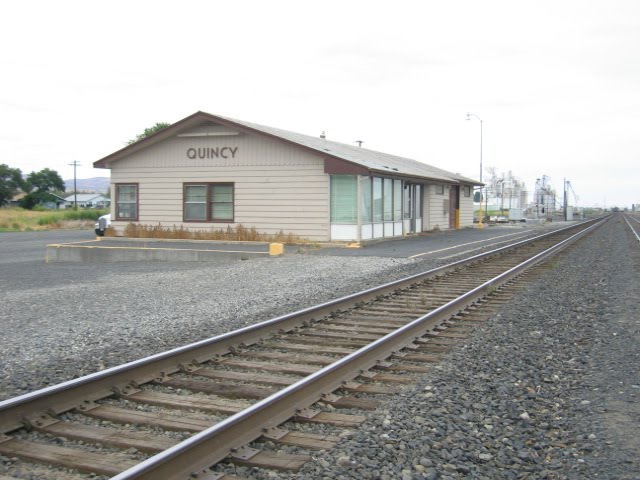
(469, 115)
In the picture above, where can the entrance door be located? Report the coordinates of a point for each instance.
(412, 208)
(454, 207)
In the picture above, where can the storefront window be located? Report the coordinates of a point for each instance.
(343, 198)
(365, 200)
(388, 199)
(377, 199)
(397, 200)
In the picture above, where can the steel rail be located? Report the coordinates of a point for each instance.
(15, 412)
(192, 456)
(633, 230)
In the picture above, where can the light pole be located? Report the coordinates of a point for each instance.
(469, 115)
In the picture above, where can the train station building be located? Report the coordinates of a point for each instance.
(208, 171)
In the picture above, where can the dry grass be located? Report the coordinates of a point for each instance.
(20, 220)
(237, 234)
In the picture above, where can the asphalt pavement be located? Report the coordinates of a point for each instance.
(444, 244)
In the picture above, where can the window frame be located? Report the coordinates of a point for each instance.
(439, 188)
(467, 190)
(117, 202)
(208, 201)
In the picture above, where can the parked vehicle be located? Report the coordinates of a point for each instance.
(101, 225)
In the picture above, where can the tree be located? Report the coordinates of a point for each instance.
(149, 131)
(39, 186)
(46, 180)
(10, 182)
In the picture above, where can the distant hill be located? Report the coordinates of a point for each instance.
(95, 184)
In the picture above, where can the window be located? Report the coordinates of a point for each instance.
(397, 200)
(377, 199)
(127, 201)
(343, 198)
(467, 190)
(388, 199)
(208, 202)
(365, 200)
(439, 189)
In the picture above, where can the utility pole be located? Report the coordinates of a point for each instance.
(75, 164)
(565, 200)
(469, 115)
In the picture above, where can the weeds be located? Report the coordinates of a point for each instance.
(239, 233)
(20, 220)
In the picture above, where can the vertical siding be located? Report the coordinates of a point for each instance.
(277, 186)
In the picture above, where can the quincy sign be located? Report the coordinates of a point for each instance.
(212, 152)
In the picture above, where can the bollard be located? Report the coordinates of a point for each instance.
(276, 249)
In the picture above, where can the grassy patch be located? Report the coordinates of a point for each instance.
(237, 234)
(20, 220)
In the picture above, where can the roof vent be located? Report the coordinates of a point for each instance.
(323, 135)
(359, 142)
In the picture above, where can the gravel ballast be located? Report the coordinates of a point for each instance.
(83, 318)
(547, 388)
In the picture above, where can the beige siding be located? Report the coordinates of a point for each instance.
(438, 214)
(466, 208)
(277, 186)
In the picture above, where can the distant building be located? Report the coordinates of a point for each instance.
(54, 203)
(88, 200)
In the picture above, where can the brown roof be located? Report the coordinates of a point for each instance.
(366, 160)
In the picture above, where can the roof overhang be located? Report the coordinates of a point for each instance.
(333, 164)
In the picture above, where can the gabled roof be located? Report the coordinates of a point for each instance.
(371, 160)
(84, 197)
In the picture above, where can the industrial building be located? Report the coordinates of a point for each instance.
(208, 171)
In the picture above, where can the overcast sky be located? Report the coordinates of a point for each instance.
(556, 83)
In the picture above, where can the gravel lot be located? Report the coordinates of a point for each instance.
(61, 321)
(548, 388)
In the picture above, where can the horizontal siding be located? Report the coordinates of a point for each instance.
(252, 150)
(277, 187)
(466, 211)
(258, 171)
(438, 217)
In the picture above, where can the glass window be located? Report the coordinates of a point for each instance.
(221, 202)
(126, 202)
(365, 199)
(343, 198)
(387, 192)
(397, 200)
(467, 191)
(377, 199)
(195, 202)
(407, 201)
(439, 189)
(208, 202)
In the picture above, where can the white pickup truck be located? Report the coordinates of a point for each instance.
(101, 225)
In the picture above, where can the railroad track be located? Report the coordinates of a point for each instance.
(634, 224)
(174, 414)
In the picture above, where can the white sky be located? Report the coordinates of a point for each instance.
(557, 83)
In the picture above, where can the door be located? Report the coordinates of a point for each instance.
(454, 207)
(412, 208)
